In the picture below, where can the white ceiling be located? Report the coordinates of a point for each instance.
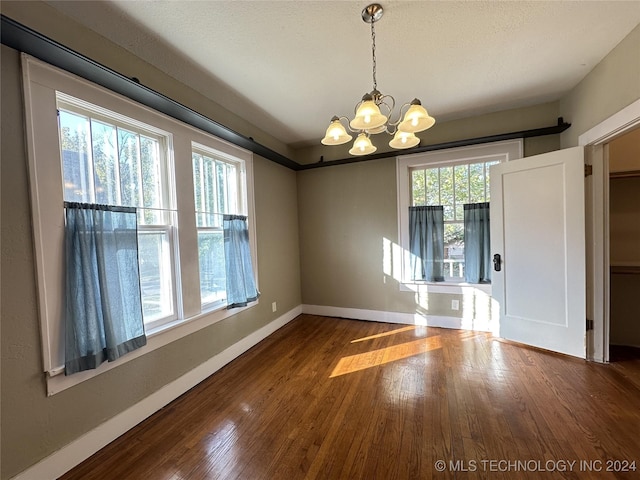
(289, 66)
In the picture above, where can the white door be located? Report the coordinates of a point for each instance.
(538, 232)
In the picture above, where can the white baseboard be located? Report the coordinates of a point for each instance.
(83, 447)
(396, 317)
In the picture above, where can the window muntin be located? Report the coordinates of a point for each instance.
(218, 190)
(452, 185)
(109, 160)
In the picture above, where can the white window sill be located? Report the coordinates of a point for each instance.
(445, 287)
(156, 338)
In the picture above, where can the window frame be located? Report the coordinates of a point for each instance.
(452, 164)
(241, 196)
(164, 139)
(41, 81)
(501, 151)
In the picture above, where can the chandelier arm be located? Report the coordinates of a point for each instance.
(401, 114)
(382, 100)
(353, 130)
(346, 119)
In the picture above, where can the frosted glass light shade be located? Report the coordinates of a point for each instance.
(404, 140)
(416, 119)
(336, 134)
(368, 116)
(362, 146)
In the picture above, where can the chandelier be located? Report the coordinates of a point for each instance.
(374, 112)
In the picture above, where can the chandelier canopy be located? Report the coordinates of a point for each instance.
(374, 112)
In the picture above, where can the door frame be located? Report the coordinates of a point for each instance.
(595, 141)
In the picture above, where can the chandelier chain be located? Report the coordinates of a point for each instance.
(373, 52)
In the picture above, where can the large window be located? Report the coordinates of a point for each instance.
(87, 144)
(218, 191)
(452, 185)
(112, 161)
(450, 178)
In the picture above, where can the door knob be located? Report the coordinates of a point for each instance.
(497, 262)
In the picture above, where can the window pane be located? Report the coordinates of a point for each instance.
(151, 173)
(432, 186)
(232, 189)
(153, 217)
(103, 144)
(209, 192)
(461, 173)
(76, 159)
(446, 192)
(210, 187)
(212, 266)
(418, 187)
(454, 250)
(197, 188)
(155, 275)
(459, 212)
(129, 156)
(476, 183)
(221, 179)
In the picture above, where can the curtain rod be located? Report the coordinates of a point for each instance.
(536, 132)
(24, 39)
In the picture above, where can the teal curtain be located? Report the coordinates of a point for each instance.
(426, 243)
(241, 285)
(103, 307)
(477, 243)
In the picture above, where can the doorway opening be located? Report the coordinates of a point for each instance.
(598, 141)
(624, 246)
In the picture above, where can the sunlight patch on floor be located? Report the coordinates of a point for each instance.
(384, 334)
(362, 361)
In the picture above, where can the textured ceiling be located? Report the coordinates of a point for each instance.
(288, 66)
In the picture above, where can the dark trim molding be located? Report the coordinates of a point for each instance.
(537, 132)
(24, 39)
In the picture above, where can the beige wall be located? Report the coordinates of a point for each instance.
(320, 232)
(34, 425)
(347, 212)
(612, 85)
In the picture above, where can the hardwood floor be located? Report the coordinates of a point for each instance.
(327, 398)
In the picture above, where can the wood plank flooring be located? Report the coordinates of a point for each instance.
(327, 398)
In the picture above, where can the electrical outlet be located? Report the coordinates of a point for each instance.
(274, 307)
(455, 304)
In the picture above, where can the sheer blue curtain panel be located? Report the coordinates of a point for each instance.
(241, 285)
(426, 243)
(477, 243)
(103, 318)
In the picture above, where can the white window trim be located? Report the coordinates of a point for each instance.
(501, 151)
(41, 81)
